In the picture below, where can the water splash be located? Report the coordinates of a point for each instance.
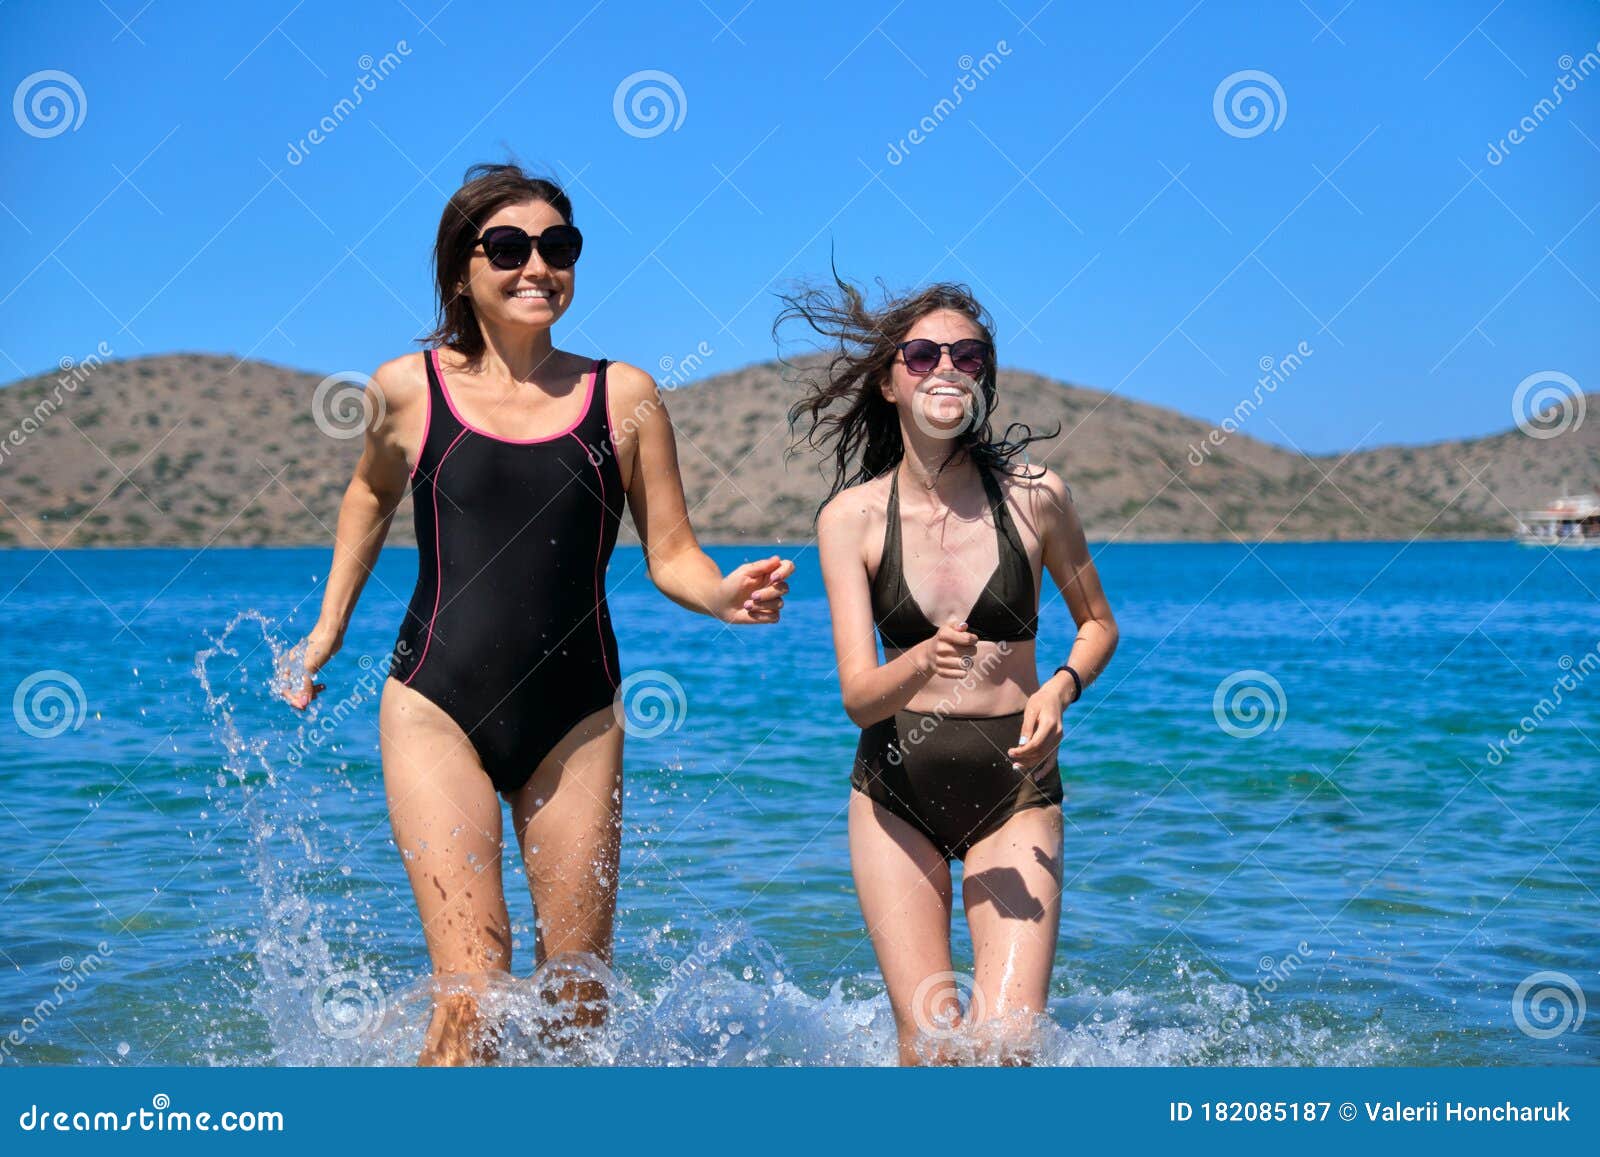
(258, 788)
(329, 985)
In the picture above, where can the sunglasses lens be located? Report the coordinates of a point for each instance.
(560, 245)
(921, 356)
(508, 255)
(507, 248)
(969, 356)
(559, 253)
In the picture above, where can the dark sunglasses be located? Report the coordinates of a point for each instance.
(508, 247)
(969, 355)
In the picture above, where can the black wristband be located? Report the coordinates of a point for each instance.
(1077, 681)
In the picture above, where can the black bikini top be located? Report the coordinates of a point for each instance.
(1007, 609)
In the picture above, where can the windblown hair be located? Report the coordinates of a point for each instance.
(847, 411)
(486, 189)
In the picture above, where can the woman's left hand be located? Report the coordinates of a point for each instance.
(753, 593)
(1041, 728)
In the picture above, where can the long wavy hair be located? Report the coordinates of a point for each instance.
(847, 412)
(485, 190)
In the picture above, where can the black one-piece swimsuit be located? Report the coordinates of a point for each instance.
(508, 630)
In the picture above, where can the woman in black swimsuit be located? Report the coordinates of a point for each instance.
(519, 457)
(935, 535)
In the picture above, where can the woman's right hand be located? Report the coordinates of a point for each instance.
(950, 652)
(316, 649)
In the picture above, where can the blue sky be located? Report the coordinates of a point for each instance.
(1124, 234)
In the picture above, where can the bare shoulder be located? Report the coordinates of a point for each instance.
(402, 382)
(1038, 488)
(628, 385)
(1042, 500)
(856, 512)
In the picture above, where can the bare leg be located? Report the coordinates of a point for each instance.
(904, 887)
(446, 820)
(1011, 889)
(568, 820)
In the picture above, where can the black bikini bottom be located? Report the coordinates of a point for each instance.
(949, 776)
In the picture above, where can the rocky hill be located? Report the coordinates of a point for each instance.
(193, 449)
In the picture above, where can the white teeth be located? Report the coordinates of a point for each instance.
(540, 293)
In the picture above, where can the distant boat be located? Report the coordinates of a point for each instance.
(1570, 521)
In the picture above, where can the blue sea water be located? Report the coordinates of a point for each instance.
(1331, 804)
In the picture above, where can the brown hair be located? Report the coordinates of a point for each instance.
(863, 432)
(486, 189)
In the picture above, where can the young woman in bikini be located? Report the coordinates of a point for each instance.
(935, 536)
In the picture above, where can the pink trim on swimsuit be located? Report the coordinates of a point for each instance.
(600, 478)
(438, 556)
(588, 397)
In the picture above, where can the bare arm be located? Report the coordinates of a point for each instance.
(1067, 560)
(680, 569)
(375, 491)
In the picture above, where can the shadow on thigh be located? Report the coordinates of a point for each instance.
(1012, 895)
(1016, 871)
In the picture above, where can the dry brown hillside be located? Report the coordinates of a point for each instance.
(193, 449)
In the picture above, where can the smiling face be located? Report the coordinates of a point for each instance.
(945, 402)
(534, 295)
